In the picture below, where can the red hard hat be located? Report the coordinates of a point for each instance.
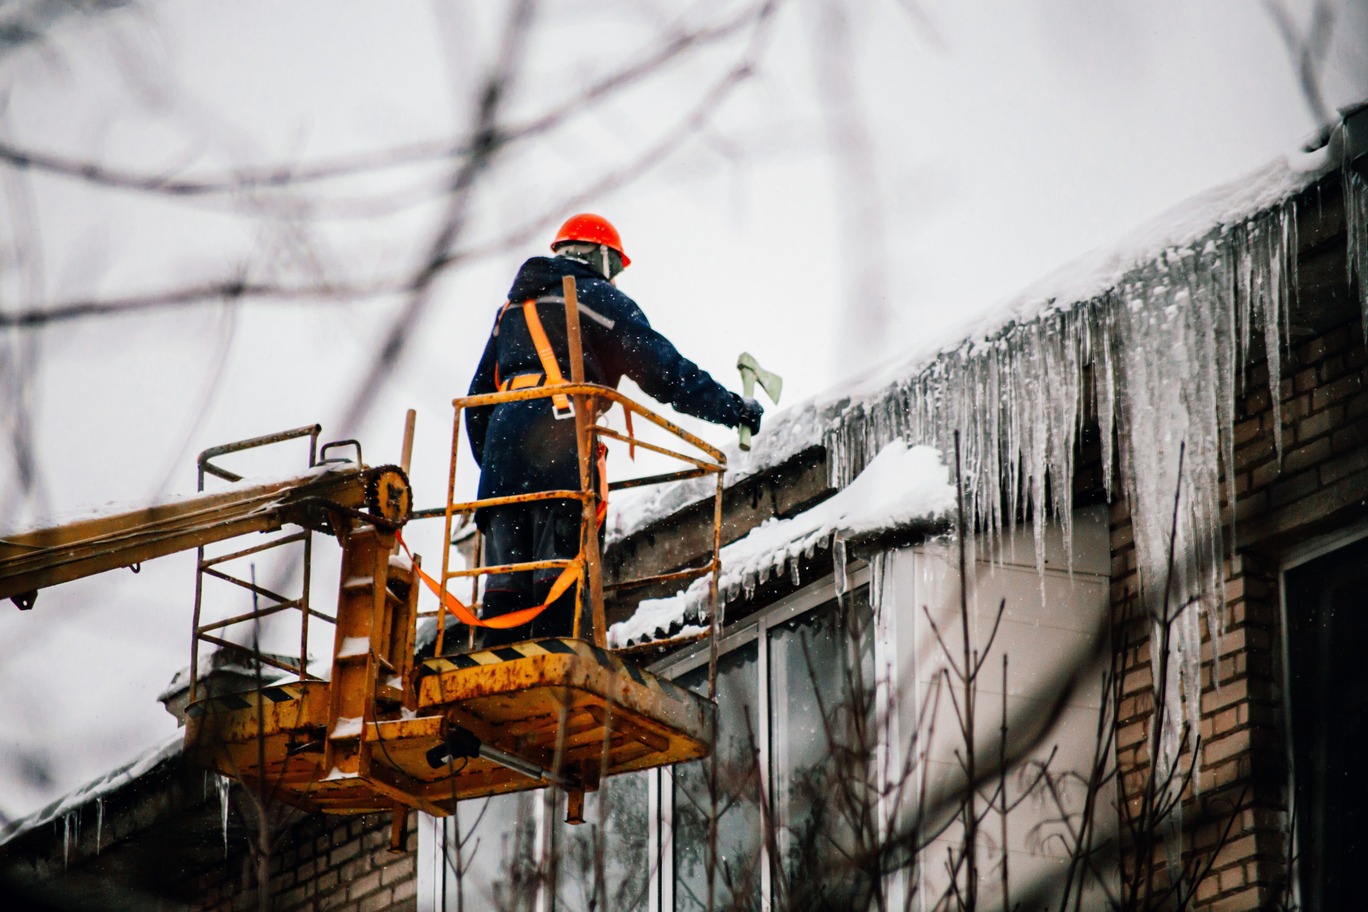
(592, 228)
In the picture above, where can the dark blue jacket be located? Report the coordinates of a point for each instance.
(521, 446)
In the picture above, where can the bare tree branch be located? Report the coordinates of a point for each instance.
(409, 282)
(287, 176)
(486, 145)
(1307, 49)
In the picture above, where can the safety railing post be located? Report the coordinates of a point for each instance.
(587, 445)
(304, 605)
(714, 617)
(446, 535)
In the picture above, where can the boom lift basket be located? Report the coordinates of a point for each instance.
(388, 734)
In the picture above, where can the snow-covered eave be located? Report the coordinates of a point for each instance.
(225, 662)
(684, 614)
(96, 790)
(903, 496)
(1067, 291)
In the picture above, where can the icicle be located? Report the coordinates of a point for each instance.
(1356, 231)
(66, 839)
(1172, 829)
(878, 573)
(1104, 385)
(1190, 649)
(1167, 346)
(224, 784)
(99, 822)
(1266, 276)
(838, 554)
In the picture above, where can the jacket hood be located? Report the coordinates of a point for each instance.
(542, 275)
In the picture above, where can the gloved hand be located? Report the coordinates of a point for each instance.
(751, 411)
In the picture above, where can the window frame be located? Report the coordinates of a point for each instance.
(753, 628)
(660, 793)
(1298, 555)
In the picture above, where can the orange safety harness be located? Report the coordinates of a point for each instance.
(546, 355)
(550, 376)
(459, 609)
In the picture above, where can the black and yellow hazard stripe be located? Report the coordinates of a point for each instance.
(558, 646)
(275, 693)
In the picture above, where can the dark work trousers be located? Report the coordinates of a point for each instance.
(519, 533)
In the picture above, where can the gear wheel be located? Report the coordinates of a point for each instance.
(388, 494)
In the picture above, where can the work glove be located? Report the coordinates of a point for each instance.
(751, 410)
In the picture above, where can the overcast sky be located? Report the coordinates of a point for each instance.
(824, 188)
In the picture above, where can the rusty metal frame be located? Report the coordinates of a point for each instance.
(589, 401)
(207, 565)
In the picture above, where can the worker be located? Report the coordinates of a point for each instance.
(524, 446)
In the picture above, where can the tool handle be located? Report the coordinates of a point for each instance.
(406, 452)
(748, 391)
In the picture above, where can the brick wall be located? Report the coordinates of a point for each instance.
(1236, 811)
(1323, 479)
(321, 863)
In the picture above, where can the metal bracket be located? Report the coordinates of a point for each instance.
(574, 807)
(323, 453)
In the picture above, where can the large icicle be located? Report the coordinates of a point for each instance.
(1356, 231)
(223, 784)
(1165, 346)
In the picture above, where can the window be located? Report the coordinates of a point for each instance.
(482, 857)
(778, 798)
(725, 788)
(607, 855)
(821, 744)
(788, 787)
(1327, 627)
(811, 773)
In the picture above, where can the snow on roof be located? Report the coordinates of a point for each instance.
(97, 788)
(902, 487)
(1078, 282)
(224, 660)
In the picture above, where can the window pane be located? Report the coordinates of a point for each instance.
(1327, 625)
(621, 843)
(489, 846)
(820, 676)
(734, 803)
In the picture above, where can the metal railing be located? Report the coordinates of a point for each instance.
(590, 401)
(218, 567)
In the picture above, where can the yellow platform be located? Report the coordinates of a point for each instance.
(564, 707)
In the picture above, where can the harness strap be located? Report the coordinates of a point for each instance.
(545, 354)
(567, 578)
(521, 381)
(498, 321)
(552, 374)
